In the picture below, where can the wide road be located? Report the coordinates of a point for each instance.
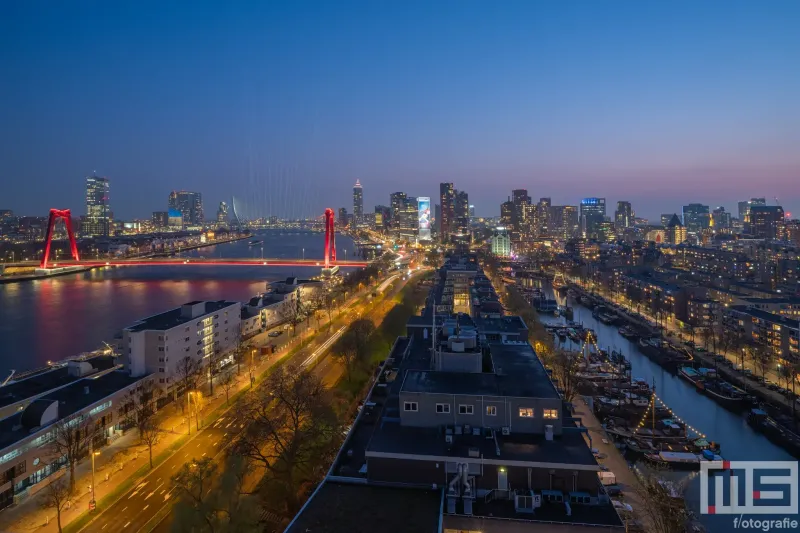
(136, 508)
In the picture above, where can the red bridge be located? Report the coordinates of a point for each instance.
(64, 214)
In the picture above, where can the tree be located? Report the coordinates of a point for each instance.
(71, 438)
(139, 405)
(193, 483)
(565, 365)
(293, 434)
(227, 382)
(662, 504)
(353, 346)
(150, 434)
(187, 372)
(56, 496)
(212, 369)
(762, 358)
(243, 352)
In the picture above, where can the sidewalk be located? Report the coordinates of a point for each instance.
(124, 457)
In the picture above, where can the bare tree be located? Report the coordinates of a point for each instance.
(565, 365)
(662, 504)
(293, 431)
(71, 439)
(227, 382)
(193, 483)
(353, 346)
(150, 434)
(139, 405)
(762, 358)
(188, 373)
(56, 496)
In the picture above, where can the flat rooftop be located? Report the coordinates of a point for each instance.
(175, 317)
(766, 315)
(347, 508)
(42, 382)
(568, 449)
(71, 399)
(506, 324)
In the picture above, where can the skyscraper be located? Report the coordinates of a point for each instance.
(623, 216)
(564, 223)
(507, 215)
(222, 213)
(343, 218)
(98, 212)
(447, 200)
(520, 222)
(696, 217)
(766, 221)
(721, 219)
(190, 204)
(396, 201)
(744, 207)
(593, 212)
(461, 220)
(358, 203)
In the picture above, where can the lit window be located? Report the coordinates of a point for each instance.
(443, 408)
(465, 409)
(491, 410)
(410, 406)
(526, 412)
(551, 413)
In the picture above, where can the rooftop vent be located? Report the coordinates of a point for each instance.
(474, 452)
(548, 432)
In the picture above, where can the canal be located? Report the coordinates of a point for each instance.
(737, 439)
(51, 319)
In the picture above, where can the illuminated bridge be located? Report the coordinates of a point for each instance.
(64, 214)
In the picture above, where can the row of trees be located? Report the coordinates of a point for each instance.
(291, 435)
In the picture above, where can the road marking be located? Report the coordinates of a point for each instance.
(173, 467)
(122, 511)
(214, 444)
(204, 454)
(162, 492)
(187, 455)
(145, 507)
(126, 525)
(104, 526)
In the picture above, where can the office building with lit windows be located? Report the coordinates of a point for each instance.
(593, 212)
(190, 205)
(358, 204)
(447, 202)
(98, 220)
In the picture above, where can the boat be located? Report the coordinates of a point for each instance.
(255, 243)
(726, 394)
(627, 332)
(681, 460)
(776, 433)
(693, 376)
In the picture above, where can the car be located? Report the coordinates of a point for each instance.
(274, 334)
(719, 358)
(771, 385)
(613, 490)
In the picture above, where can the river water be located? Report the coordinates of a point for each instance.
(737, 439)
(60, 317)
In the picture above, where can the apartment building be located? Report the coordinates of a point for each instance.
(196, 329)
(779, 333)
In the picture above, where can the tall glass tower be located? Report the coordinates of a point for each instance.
(98, 212)
(358, 203)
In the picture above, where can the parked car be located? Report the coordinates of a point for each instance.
(274, 334)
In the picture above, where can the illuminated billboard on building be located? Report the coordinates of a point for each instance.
(424, 206)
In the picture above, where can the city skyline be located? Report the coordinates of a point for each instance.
(544, 98)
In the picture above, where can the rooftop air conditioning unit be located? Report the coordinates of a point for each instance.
(476, 432)
(448, 439)
(506, 431)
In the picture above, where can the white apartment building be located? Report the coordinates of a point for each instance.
(196, 329)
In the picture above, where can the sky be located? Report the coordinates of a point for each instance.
(285, 104)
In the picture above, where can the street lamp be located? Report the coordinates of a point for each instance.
(93, 502)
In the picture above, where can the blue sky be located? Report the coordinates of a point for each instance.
(286, 104)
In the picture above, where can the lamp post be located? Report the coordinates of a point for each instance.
(304, 254)
(189, 412)
(92, 503)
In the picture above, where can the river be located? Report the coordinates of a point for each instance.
(60, 317)
(737, 439)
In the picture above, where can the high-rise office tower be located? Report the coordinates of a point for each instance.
(541, 217)
(507, 215)
(447, 200)
(623, 216)
(696, 217)
(520, 222)
(424, 218)
(721, 220)
(666, 218)
(222, 213)
(407, 224)
(396, 202)
(744, 207)
(342, 222)
(385, 217)
(190, 204)
(358, 203)
(766, 221)
(472, 212)
(98, 213)
(593, 212)
(461, 221)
